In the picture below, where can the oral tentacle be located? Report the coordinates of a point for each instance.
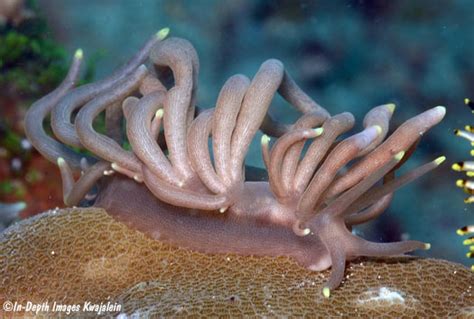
(367, 248)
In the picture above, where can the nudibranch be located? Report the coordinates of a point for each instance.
(466, 184)
(184, 181)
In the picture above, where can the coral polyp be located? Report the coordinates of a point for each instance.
(193, 191)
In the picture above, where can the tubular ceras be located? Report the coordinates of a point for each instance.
(184, 196)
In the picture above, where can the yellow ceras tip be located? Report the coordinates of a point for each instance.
(399, 155)
(427, 246)
(222, 210)
(326, 292)
(471, 152)
(470, 254)
(318, 131)
(460, 183)
(391, 107)
(60, 161)
(163, 33)
(471, 248)
(265, 139)
(457, 166)
(472, 268)
(469, 128)
(79, 54)
(440, 160)
(160, 113)
(456, 132)
(469, 200)
(379, 129)
(468, 241)
(467, 101)
(306, 231)
(470, 174)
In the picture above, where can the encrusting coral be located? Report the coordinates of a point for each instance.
(82, 254)
(192, 197)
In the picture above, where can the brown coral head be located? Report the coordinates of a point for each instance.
(177, 187)
(98, 259)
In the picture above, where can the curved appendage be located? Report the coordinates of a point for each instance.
(407, 134)
(273, 128)
(340, 242)
(123, 161)
(151, 84)
(371, 212)
(239, 112)
(181, 197)
(344, 152)
(293, 154)
(180, 56)
(270, 78)
(378, 192)
(380, 116)
(341, 205)
(75, 191)
(279, 151)
(252, 111)
(61, 116)
(224, 120)
(377, 208)
(338, 214)
(293, 94)
(46, 145)
(332, 128)
(198, 139)
(113, 122)
(143, 125)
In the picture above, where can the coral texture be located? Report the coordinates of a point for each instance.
(74, 255)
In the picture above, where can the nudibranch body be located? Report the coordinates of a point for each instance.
(176, 188)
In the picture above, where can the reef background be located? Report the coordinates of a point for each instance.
(347, 55)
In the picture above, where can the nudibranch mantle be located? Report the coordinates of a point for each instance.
(176, 188)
